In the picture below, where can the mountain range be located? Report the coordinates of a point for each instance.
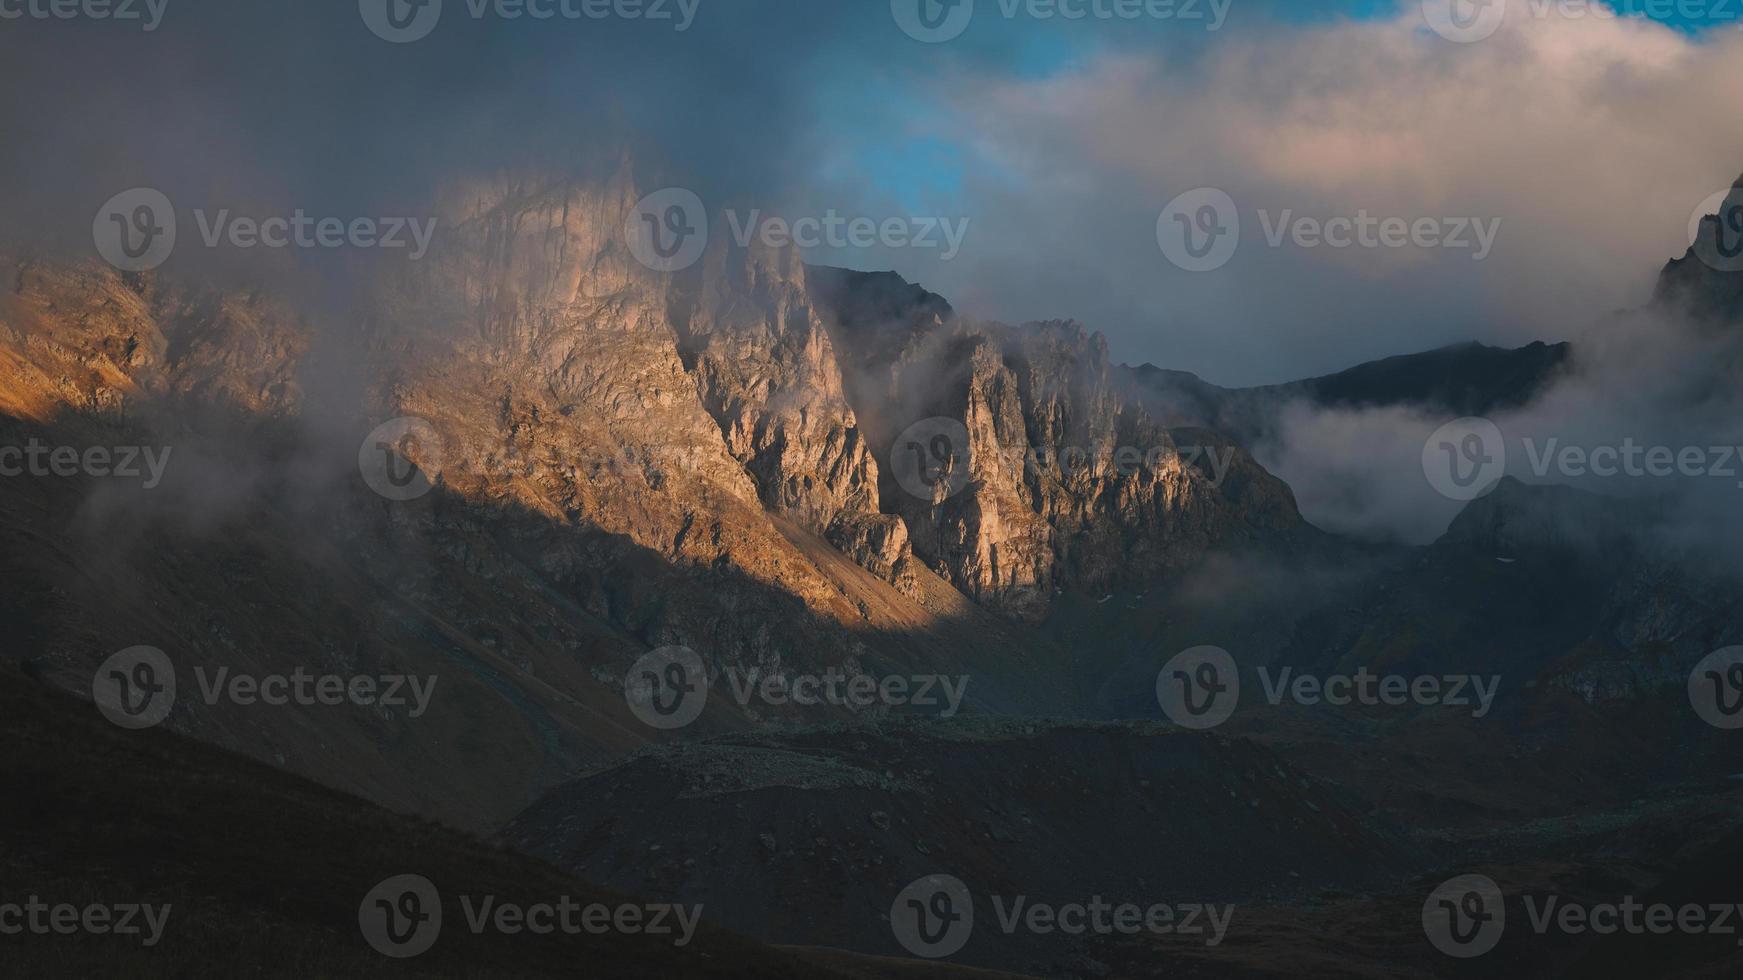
(795, 470)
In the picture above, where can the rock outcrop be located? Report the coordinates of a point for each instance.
(1063, 480)
(1707, 280)
(767, 372)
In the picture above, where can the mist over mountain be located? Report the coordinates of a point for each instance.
(769, 105)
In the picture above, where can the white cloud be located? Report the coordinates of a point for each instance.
(1592, 139)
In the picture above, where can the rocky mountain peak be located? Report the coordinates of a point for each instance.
(767, 372)
(1707, 281)
(1068, 482)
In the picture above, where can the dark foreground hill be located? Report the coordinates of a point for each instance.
(807, 836)
(264, 872)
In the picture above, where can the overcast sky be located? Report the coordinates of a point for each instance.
(1581, 143)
